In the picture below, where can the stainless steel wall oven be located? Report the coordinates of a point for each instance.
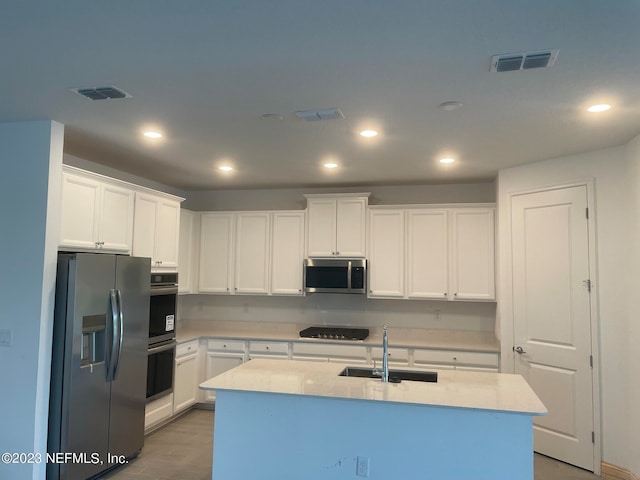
(161, 351)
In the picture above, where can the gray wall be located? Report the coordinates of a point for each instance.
(31, 155)
(293, 198)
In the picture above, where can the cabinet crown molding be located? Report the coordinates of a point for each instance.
(125, 184)
(435, 206)
(336, 195)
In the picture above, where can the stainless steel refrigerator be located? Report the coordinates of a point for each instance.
(99, 363)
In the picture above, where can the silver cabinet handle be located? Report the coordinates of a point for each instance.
(519, 350)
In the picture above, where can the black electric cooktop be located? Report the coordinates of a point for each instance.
(335, 333)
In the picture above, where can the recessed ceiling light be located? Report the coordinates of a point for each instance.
(151, 134)
(330, 165)
(450, 106)
(602, 107)
(226, 168)
(368, 133)
(447, 160)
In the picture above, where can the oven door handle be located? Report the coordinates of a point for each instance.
(168, 290)
(162, 348)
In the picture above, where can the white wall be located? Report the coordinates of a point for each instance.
(633, 366)
(335, 309)
(614, 190)
(31, 156)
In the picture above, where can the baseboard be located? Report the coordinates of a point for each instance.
(610, 471)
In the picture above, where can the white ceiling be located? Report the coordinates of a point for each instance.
(203, 72)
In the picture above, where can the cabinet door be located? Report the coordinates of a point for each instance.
(80, 207)
(386, 253)
(350, 227)
(144, 229)
(217, 364)
(216, 252)
(321, 240)
(252, 253)
(186, 379)
(287, 253)
(427, 254)
(115, 227)
(167, 234)
(473, 264)
(186, 252)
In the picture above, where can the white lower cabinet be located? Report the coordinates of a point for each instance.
(157, 411)
(186, 377)
(258, 349)
(328, 352)
(451, 359)
(222, 355)
(397, 356)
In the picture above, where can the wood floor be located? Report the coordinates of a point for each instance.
(183, 450)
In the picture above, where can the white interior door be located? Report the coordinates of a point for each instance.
(552, 324)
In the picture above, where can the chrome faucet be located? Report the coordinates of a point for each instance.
(385, 355)
(384, 373)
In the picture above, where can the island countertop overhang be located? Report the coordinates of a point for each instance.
(500, 392)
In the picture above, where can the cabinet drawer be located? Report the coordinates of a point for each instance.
(395, 354)
(187, 348)
(456, 358)
(226, 345)
(274, 348)
(329, 350)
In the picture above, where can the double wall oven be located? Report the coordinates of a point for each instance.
(161, 351)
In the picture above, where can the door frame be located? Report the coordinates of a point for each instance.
(505, 297)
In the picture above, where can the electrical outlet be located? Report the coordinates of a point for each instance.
(5, 338)
(362, 466)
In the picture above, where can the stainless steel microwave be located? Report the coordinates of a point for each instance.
(335, 275)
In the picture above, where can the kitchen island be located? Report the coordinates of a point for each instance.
(297, 419)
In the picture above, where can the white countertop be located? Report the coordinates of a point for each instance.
(398, 337)
(455, 388)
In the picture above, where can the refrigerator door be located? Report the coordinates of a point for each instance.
(128, 389)
(85, 412)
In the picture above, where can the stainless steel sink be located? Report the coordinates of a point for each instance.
(395, 376)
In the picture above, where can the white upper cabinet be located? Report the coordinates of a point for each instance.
(188, 252)
(336, 225)
(449, 253)
(97, 214)
(473, 254)
(216, 252)
(252, 252)
(386, 253)
(157, 230)
(427, 254)
(287, 253)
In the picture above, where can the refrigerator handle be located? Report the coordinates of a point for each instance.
(111, 352)
(118, 342)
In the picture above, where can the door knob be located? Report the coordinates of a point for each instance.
(519, 350)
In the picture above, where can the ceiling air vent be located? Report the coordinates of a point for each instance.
(321, 114)
(523, 61)
(101, 93)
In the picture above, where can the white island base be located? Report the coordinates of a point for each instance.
(271, 422)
